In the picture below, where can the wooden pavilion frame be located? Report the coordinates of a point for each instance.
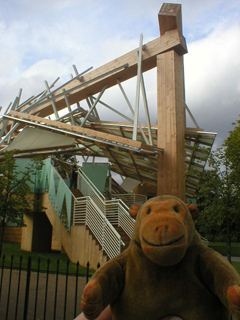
(159, 155)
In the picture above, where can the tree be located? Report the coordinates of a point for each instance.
(232, 144)
(219, 195)
(15, 190)
(210, 219)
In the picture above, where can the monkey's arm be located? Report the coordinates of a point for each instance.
(104, 288)
(221, 279)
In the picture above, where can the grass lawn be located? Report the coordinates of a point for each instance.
(13, 249)
(221, 247)
(10, 249)
(236, 265)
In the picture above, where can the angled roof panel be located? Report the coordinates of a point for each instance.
(34, 138)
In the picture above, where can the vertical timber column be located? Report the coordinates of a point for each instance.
(171, 124)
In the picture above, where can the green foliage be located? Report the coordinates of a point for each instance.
(232, 144)
(210, 218)
(218, 197)
(218, 194)
(15, 188)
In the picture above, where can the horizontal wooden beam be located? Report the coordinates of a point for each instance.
(93, 82)
(19, 117)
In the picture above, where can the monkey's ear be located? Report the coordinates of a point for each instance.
(134, 210)
(193, 210)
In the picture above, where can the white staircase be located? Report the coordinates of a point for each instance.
(100, 215)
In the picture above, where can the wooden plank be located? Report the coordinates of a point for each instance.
(19, 116)
(12, 234)
(94, 81)
(171, 121)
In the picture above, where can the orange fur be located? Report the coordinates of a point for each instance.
(166, 271)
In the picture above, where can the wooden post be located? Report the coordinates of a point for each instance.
(171, 124)
(171, 111)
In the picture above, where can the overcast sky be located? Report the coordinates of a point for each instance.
(41, 40)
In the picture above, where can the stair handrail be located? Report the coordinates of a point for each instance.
(119, 215)
(119, 212)
(126, 222)
(108, 238)
(92, 190)
(102, 203)
(106, 235)
(130, 198)
(92, 184)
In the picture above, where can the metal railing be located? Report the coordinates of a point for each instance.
(204, 241)
(116, 211)
(126, 222)
(93, 210)
(86, 211)
(130, 198)
(100, 215)
(41, 289)
(80, 209)
(117, 214)
(89, 210)
(87, 188)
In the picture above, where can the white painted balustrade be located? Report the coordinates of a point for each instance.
(100, 215)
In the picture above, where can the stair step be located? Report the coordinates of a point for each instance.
(77, 193)
(96, 241)
(124, 236)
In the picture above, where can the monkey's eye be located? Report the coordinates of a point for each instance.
(175, 208)
(148, 211)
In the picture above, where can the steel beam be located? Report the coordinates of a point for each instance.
(139, 72)
(191, 116)
(132, 111)
(69, 108)
(94, 105)
(146, 110)
(53, 103)
(114, 110)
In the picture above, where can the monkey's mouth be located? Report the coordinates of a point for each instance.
(164, 244)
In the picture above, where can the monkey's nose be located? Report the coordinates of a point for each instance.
(161, 231)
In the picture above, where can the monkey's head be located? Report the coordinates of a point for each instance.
(164, 229)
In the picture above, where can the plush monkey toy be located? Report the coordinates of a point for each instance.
(166, 271)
